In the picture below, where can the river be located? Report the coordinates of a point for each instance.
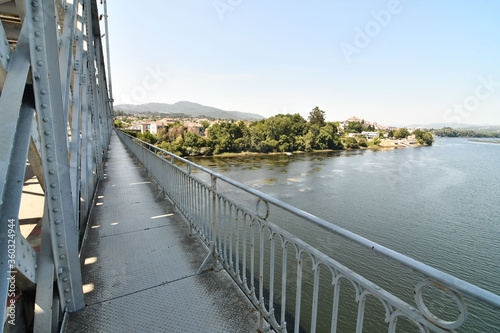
(439, 205)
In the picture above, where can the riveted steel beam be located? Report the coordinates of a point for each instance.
(44, 51)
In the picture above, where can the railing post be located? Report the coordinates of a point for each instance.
(213, 248)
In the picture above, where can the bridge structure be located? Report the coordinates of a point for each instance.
(133, 238)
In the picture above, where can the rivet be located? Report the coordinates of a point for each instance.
(48, 146)
(52, 172)
(37, 34)
(39, 63)
(54, 197)
(44, 106)
(35, 19)
(50, 159)
(45, 119)
(22, 241)
(57, 222)
(34, 4)
(24, 255)
(55, 210)
(33, 255)
(68, 300)
(47, 132)
(7, 57)
(25, 269)
(62, 256)
(52, 185)
(65, 279)
(43, 91)
(60, 245)
(38, 48)
(67, 290)
(19, 263)
(59, 234)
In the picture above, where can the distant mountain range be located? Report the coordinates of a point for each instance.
(460, 126)
(187, 108)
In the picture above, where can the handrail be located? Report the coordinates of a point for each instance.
(427, 271)
(432, 276)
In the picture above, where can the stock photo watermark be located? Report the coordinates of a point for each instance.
(152, 80)
(470, 104)
(371, 30)
(11, 291)
(222, 7)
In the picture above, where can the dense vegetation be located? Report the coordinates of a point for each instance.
(281, 133)
(454, 133)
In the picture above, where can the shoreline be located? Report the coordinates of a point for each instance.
(250, 153)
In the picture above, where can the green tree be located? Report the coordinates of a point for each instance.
(362, 142)
(354, 127)
(205, 124)
(317, 117)
(401, 133)
(351, 143)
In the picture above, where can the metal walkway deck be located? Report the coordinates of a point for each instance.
(139, 264)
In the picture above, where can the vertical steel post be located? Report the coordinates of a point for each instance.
(213, 189)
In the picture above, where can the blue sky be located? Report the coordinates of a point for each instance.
(394, 62)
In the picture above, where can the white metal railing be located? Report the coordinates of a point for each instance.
(268, 262)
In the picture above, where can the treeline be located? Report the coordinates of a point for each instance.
(454, 133)
(281, 133)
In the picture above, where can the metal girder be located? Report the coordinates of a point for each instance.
(75, 145)
(10, 104)
(4, 55)
(44, 52)
(44, 306)
(91, 79)
(59, 40)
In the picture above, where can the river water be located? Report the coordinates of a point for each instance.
(439, 205)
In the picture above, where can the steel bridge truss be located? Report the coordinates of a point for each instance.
(55, 113)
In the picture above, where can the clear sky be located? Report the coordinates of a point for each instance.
(395, 62)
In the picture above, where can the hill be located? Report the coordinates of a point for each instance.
(187, 108)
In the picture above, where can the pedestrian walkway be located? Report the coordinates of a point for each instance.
(139, 264)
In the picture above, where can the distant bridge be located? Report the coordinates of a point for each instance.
(129, 237)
